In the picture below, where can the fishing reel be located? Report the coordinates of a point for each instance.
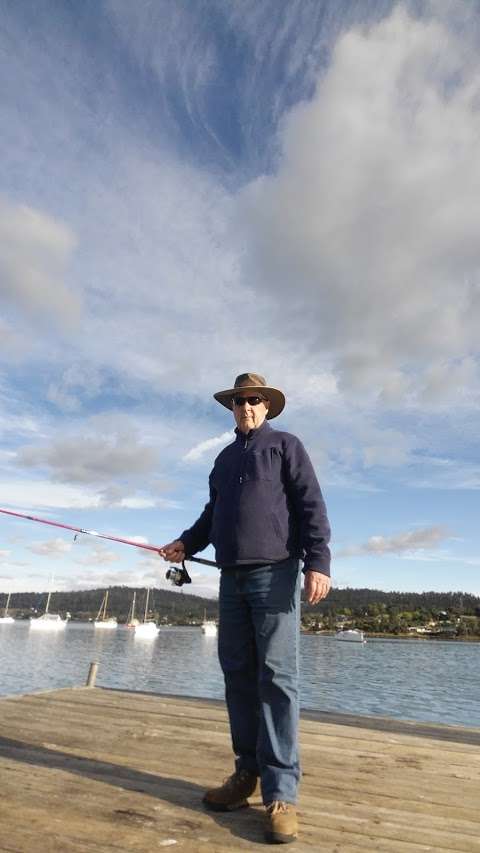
(177, 576)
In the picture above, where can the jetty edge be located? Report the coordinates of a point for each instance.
(101, 769)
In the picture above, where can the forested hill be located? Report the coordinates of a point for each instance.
(358, 600)
(177, 605)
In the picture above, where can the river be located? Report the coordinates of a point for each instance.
(434, 681)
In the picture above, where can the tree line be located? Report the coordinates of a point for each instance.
(358, 600)
(179, 607)
(174, 606)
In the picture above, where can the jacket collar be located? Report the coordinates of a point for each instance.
(252, 435)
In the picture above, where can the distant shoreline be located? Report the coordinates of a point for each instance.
(383, 636)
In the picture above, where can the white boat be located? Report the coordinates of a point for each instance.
(208, 626)
(6, 619)
(148, 628)
(132, 621)
(103, 621)
(49, 621)
(352, 635)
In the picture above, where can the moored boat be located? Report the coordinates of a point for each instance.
(103, 621)
(352, 635)
(208, 626)
(6, 619)
(132, 621)
(148, 628)
(48, 621)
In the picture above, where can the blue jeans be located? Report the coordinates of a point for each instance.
(258, 650)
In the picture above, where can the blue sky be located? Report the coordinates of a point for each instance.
(192, 190)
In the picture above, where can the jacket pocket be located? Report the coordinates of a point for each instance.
(258, 465)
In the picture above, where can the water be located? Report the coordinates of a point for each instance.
(415, 679)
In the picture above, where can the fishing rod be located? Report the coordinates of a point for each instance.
(175, 575)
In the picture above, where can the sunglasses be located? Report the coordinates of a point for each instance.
(252, 401)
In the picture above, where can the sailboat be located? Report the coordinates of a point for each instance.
(209, 626)
(132, 622)
(6, 619)
(147, 628)
(48, 621)
(103, 621)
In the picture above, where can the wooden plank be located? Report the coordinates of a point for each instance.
(108, 770)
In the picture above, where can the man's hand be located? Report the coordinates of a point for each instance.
(174, 552)
(316, 586)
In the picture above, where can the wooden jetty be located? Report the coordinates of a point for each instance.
(93, 769)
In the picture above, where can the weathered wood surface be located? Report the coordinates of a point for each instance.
(101, 770)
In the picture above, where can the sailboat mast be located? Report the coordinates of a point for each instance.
(100, 611)
(105, 605)
(146, 604)
(8, 602)
(131, 614)
(48, 601)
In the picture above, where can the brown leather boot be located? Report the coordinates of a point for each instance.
(233, 793)
(281, 825)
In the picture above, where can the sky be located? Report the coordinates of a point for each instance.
(193, 190)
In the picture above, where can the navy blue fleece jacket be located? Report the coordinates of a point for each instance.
(265, 504)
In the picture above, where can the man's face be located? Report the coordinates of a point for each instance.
(249, 410)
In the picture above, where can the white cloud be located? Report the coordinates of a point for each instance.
(152, 575)
(409, 541)
(443, 379)
(43, 494)
(366, 237)
(196, 453)
(35, 494)
(99, 555)
(278, 51)
(85, 578)
(91, 459)
(34, 256)
(157, 261)
(79, 382)
(447, 473)
(157, 36)
(110, 461)
(388, 447)
(158, 276)
(51, 548)
(17, 424)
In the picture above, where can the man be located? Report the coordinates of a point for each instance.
(265, 512)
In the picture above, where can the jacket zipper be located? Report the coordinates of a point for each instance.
(244, 447)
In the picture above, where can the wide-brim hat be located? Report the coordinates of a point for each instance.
(257, 385)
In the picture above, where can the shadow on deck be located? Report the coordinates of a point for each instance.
(107, 770)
